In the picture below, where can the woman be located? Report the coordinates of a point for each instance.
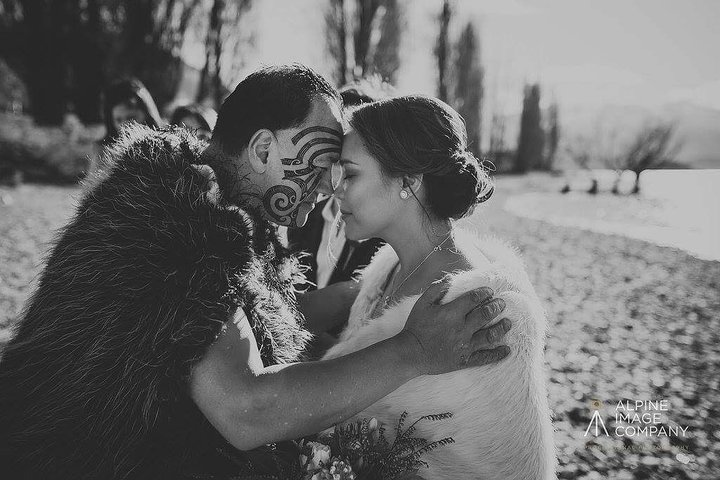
(407, 176)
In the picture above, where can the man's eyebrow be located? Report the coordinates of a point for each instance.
(314, 129)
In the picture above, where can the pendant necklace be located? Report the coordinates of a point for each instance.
(437, 248)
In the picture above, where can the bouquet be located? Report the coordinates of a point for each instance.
(355, 451)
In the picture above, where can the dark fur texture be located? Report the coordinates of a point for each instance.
(139, 284)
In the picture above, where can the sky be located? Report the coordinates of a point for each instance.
(584, 53)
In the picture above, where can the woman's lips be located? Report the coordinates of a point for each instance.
(344, 214)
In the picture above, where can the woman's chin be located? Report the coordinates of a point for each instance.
(351, 230)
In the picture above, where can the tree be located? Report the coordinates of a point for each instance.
(336, 39)
(497, 133)
(531, 138)
(442, 51)
(153, 32)
(653, 147)
(218, 41)
(67, 51)
(387, 51)
(372, 47)
(468, 94)
(553, 137)
(39, 58)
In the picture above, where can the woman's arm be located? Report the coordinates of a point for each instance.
(327, 309)
(251, 405)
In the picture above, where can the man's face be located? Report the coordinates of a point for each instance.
(304, 157)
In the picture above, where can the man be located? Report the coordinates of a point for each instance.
(163, 338)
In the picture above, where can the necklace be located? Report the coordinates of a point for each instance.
(388, 298)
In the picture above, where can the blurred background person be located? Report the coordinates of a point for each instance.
(128, 100)
(196, 117)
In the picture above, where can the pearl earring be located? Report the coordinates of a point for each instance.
(404, 194)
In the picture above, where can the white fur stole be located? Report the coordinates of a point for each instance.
(501, 420)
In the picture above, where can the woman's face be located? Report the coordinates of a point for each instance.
(369, 201)
(125, 112)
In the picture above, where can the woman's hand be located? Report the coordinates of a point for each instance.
(455, 335)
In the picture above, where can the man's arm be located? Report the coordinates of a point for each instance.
(251, 405)
(329, 307)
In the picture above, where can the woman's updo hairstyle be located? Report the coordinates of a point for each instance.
(416, 134)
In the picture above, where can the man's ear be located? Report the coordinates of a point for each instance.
(412, 182)
(259, 148)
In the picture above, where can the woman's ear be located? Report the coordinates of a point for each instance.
(412, 182)
(259, 149)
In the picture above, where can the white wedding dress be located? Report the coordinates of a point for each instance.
(501, 420)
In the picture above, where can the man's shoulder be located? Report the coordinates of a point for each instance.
(140, 151)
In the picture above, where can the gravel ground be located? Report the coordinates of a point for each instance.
(29, 217)
(628, 321)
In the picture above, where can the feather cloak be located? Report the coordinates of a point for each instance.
(138, 285)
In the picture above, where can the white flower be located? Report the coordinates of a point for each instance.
(374, 430)
(320, 453)
(323, 474)
(373, 424)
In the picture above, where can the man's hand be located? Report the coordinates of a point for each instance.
(455, 335)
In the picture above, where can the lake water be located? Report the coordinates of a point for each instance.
(676, 208)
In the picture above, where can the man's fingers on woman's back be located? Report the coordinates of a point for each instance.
(470, 301)
(486, 357)
(487, 337)
(485, 313)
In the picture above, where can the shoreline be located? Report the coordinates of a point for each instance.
(698, 244)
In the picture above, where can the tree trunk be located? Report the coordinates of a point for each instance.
(88, 62)
(209, 78)
(342, 44)
(46, 73)
(616, 184)
(636, 187)
(367, 9)
(442, 51)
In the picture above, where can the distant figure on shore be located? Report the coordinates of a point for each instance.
(196, 117)
(128, 100)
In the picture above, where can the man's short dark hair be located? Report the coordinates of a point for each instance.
(275, 98)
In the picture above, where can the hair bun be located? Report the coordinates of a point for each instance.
(423, 135)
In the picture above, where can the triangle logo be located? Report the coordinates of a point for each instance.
(598, 422)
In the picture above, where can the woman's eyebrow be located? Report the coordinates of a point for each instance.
(345, 161)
